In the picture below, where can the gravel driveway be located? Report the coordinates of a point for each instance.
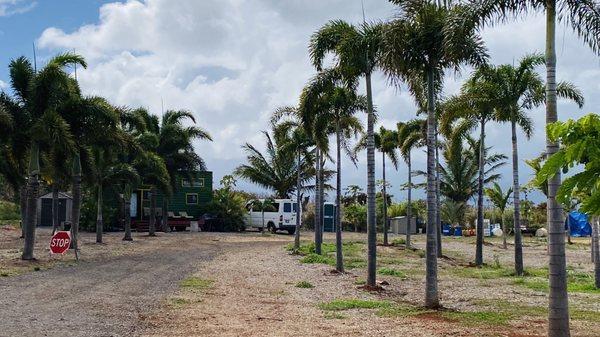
(112, 297)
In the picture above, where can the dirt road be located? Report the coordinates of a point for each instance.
(110, 297)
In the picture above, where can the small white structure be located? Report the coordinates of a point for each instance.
(541, 233)
(279, 214)
(399, 225)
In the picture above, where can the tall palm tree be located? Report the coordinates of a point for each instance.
(175, 147)
(584, 18)
(520, 88)
(42, 95)
(339, 103)
(419, 45)
(411, 135)
(357, 51)
(287, 120)
(386, 141)
(474, 105)
(500, 199)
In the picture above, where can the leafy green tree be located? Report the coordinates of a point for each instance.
(584, 18)
(228, 205)
(419, 45)
(357, 51)
(500, 198)
(580, 147)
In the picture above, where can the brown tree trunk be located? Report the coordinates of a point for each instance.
(152, 221)
(55, 223)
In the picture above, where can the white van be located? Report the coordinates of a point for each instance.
(280, 214)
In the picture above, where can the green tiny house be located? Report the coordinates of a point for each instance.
(188, 196)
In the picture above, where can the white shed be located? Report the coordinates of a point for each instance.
(44, 208)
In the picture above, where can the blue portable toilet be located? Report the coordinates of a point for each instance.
(329, 210)
(578, 222)
(446, 230)
(457, 231)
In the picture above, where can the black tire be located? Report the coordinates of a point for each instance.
(271, 227)
(291, 231)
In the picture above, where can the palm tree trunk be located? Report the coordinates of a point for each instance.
(99, 219)
(516, 202)
(438, 221)
(23, 208)
(76, 207)
(298, 215)
(339, 260)
(32, 193)
(317, 203)
(479, 247)
(503, 225)
(384, 195)
(409, 203)
(596, 250)
(558, 307)
(431, 283)
(152, 222)
(164, 220)
(569, 229)
(371, 217)
(127, 197)
(54, 208)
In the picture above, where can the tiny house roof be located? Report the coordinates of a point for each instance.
(61, 195)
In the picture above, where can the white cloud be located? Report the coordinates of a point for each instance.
(232, 62)
(12, 7)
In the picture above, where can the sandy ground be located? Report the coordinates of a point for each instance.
(246, 286)
(254, 294)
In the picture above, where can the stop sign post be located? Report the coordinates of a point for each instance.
(60, 242)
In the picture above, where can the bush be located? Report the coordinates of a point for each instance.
(9, 211)
(228, 207)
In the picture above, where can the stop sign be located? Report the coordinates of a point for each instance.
(60, 242)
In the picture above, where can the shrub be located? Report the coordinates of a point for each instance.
(304, 284)
(9, 211)
(228, 207)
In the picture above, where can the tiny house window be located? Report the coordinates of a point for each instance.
(191, 199)
(145, 195)
(197, 182)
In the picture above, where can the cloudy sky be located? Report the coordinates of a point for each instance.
(232, 62)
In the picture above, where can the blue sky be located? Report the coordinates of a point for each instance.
(233, 62)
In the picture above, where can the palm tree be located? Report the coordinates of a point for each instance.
(287, 120)
(410, 135)
(475, 105)
(419, 45)
(584, 19)
(500, 199)
(357, 51)
(520, 88)
(277, 169)
(386, 141)
(42, 94)
(175, 147)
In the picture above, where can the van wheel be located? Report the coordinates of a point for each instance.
(271, 227)
(291, 231)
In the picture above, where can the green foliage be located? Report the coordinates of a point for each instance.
(494, 318)
(392, 272)
(228, 206)
(347, 304)
(304, 284)
(580, 146)
(399, 242)
(316, 258)
(356, 215)
(9, 211)
(196, 283)
(353, 254)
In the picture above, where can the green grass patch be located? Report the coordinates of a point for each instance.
(316, 258)
(196, 283)
(360, 282)
(304, 284)
(392, 272)
(402, 310)
(353, 252)
(399, 242)
(577, 282)
(516, 310)
(347, 304)
(178, 302)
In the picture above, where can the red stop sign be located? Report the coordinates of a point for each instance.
(60, 242)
